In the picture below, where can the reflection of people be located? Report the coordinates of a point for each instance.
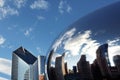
(41, 77)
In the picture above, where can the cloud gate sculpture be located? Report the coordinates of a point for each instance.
(89, 49)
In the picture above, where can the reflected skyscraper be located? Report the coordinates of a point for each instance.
(96, 71)
(60, 67)
(116, 60)
(84, 68)
(66, 68)
(24, 65)
(103, 60)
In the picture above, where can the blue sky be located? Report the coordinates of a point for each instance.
(35, 24)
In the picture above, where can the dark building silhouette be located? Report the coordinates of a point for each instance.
(116, 60)
(115, 75)
(66, 68)
(96, 71)
(74, 69)
(84, 69)
(60, 67)
(53, 75)
(24, 65)
(103, 60)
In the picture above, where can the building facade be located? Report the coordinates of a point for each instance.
(24, 65)
(41, 67)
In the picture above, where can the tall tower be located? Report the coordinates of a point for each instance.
(103, 60)
(24, 65)
(41, 67)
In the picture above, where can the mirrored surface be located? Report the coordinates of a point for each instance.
(86, 49)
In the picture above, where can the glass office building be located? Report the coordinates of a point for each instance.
(24, 65)
(41, 67)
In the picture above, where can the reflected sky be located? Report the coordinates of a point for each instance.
(88, 33)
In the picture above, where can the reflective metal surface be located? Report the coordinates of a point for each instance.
(84, 38)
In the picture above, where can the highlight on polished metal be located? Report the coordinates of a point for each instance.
(89, 49)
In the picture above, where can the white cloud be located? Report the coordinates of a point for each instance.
(69, 8)
(64, 7)
(2, 40)
(38, 49)
(2, 3)
(28, 31)
(6, 11)
(1, 78)
(40, 4)
(19, 3)
(40, 17)
(5, 66)
(12, 27)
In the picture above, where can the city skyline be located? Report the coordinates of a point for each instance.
(36, 24)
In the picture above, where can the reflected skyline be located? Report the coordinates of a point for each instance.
(99, 69)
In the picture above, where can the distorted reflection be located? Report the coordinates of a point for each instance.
(89, 49)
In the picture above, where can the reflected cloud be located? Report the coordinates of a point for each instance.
(81, 40)
(114, 49)
(54, 57)
(65, 37)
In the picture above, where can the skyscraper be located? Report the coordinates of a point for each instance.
(41, 67)
(24, 65)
